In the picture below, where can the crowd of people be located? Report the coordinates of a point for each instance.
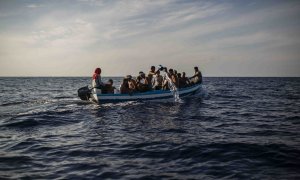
(153, 81)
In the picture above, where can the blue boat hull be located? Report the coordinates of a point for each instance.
(155, 95)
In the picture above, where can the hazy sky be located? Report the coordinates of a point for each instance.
(223, 38)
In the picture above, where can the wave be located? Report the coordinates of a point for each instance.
(14, 103)
(38, 101)
(36, 118)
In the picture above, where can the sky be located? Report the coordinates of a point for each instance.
(222, 38)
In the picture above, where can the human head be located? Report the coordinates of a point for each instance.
(179, 75)
(97, 71)
(111, 81)
(171, 71)
(143, 75)
(183, 74)
(196, 68)
(125, 81)
(175, 71)
(129, 77)
(152, 68)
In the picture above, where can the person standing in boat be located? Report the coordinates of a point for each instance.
(152, 71)
(96, 82)
(197, 78)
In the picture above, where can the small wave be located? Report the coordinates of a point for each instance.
(55, 111)
(23, 145)
(29, 122)
(14, 103)
(269, 133)
(122, 104)
(21, 123)
(63, 97)
(292, 118)
(227, 96)
(39, 101)
(111, 175)
(41, 117)
(175, 131)
(14, 160)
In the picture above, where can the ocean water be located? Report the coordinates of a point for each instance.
(239, 128)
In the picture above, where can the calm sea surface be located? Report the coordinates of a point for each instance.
(238, 128)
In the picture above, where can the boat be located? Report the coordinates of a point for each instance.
(96, 96)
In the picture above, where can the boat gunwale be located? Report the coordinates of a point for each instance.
(153, 92)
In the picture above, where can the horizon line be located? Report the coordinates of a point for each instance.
(134, 76)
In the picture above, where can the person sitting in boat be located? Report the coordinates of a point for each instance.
(173, 78)
(197, 78)
(158, 81)
(124, 88)
(165, 84)
(185, 80)
(96, 82)
(131, 83)
(175, 72)
(149, 80)
(180, 81)
(142, 83)
(108, 87)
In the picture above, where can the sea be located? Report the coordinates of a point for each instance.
(235, 128)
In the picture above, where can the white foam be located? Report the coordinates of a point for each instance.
(174, 90)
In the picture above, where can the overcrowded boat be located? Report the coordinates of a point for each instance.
(153, 87)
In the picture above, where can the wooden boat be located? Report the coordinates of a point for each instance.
(95, 95)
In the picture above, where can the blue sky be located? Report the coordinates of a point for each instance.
(223, 38)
